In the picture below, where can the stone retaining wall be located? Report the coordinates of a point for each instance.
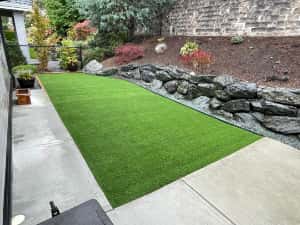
(232, 17)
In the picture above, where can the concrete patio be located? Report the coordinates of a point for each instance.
(258, 185)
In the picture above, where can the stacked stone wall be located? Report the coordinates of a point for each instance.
(234, 17)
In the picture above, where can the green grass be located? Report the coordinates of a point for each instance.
(133, 140)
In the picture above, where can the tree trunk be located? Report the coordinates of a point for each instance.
(131, 28)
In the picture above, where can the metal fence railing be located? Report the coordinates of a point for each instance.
(54, 51)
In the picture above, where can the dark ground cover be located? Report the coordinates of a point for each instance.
(253, 60)
(133, 140)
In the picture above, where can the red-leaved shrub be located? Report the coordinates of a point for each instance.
(199, 59)
(128, 52)
(83, 30)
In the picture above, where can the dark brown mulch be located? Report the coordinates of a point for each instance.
(254, 60)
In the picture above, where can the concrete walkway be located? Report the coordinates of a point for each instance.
(259, 185)
(47, 163)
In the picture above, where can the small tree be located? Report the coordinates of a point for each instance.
(40, 31)
(62, 14)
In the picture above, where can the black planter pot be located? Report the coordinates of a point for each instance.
(26, 83)
(72, 67)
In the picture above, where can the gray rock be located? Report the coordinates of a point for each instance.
(128, 68)
(179, 96)
(201, 78)
(245, 118)
(224, 114)
(171, 86)
(132, 74)
(147, 76)
(280, 95)
(175, 73)
(109, 71)
(207, 89)
(148, 67)
(183, 87)
(282, 124)
(222, 95)
(215, 104)
(163, 76)
(93, 67)
(157, 84)
(201, 101)
(224, 80)
(242, 90)
(271, 108)
(258, 116)
(239, 105)
(136, 74)
(193, 92)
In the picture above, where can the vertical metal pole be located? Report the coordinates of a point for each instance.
(80, 57)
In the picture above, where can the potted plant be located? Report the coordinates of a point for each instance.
(26, 80)
(68, 58)
(72, 63)
(25, 75)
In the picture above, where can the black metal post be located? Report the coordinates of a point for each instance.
(80, 57)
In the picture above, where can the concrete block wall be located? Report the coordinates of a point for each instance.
(232, 17)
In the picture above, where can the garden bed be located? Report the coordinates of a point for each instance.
(252, 60)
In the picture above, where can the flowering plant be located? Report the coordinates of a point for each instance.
(199, 59)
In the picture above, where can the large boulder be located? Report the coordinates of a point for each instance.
(280, 95)
(242, 90)
(132, 74)
(282, 124)
(239, 105)
(109, 71)
(128, 67)
(222, 95)
(193, 92)
(201, 101)
(183, 87)
(207, 89)
(157, 84)
(271, 108)
(176, 73)
(163, 76)
(215, 104)
(147, 76)
(149, 67)
(171, 86)
(224, 80)
(93, 67)
(195, 79)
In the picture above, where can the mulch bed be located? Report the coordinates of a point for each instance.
(255, 60)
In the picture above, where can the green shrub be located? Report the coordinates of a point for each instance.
(33, 53)
(10, 35)
(237, 40)
(26, 75)
(67, 54)
(91, 54)
(15, 54)
(108, 42)
(188, 48)
(31, 68)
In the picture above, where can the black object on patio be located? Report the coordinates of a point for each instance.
(88, 213)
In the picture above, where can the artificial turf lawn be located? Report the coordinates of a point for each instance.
(133, 140)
